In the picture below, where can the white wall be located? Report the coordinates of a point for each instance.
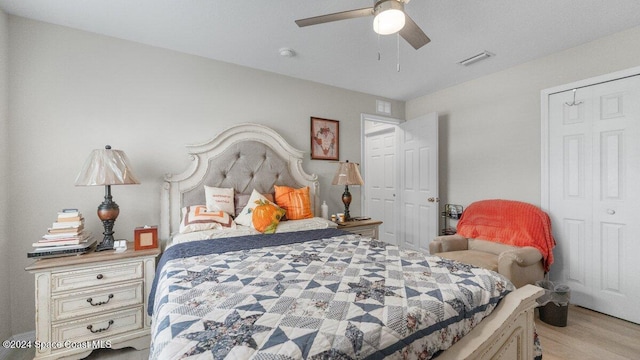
(490, 127)
(5, 256)
(73, 91)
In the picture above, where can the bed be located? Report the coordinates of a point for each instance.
(310, 290)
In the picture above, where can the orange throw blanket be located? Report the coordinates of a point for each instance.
(509, 222)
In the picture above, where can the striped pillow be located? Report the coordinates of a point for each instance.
(296, 202)
(197, 218)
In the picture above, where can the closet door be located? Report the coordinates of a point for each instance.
(594, 196)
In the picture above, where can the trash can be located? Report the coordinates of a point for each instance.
(553, 305)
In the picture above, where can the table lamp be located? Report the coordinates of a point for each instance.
(106, 167)
(347, 174)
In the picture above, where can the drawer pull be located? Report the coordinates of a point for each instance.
(90, 327)
(99, 277)
(90, 301)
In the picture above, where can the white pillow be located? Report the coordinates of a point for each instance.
(246, 215)
(220, 199)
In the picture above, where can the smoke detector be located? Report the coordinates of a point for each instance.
(286, 52)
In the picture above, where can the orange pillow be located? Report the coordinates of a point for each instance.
(296, 202)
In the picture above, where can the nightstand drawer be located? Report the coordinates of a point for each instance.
(101, 299)
(104, 326)
(365, 232)
(366, 228)
(96, 276)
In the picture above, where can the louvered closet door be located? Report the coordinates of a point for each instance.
(594, 195)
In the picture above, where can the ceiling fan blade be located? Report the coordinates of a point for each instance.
(413, 34)
(334, 17)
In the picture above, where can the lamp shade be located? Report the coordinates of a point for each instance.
(106, 167)
(347, 174)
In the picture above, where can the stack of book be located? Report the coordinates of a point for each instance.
(66, 236)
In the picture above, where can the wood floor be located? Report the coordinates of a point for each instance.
(588, 335)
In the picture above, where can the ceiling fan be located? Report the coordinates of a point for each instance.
(389, 18)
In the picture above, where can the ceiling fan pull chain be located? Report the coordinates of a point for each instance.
(398, 51)
(378, 47)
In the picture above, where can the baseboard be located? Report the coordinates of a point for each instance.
(5, 353)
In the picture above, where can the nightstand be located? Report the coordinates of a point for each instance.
(94, 300)
(368, 228)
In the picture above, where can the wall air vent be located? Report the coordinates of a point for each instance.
(383, 107)
(475, 58)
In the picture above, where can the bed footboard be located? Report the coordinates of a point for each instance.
(505, 334)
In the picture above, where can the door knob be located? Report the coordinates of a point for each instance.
(433, 199)
(611, 212)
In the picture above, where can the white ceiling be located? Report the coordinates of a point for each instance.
(344, 53)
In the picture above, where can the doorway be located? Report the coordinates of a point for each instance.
(400, 168)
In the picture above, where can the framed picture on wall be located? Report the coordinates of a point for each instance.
(325, 139)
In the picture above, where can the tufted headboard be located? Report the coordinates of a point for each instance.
(244, 157)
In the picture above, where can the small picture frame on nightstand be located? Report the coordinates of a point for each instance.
(145, 237)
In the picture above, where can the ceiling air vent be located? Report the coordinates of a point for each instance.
(475, 58)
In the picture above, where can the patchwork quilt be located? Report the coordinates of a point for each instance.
(336, 297)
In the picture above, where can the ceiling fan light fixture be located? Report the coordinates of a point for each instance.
(389, 17)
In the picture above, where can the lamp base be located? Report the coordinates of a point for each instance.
(346, 200)
(108, 212)
(106, 244)
(108, 240)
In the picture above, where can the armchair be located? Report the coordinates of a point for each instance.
(510, 237)
(521, 265)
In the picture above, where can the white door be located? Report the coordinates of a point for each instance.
(380, 174)
(419, 208)
(594, 196)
